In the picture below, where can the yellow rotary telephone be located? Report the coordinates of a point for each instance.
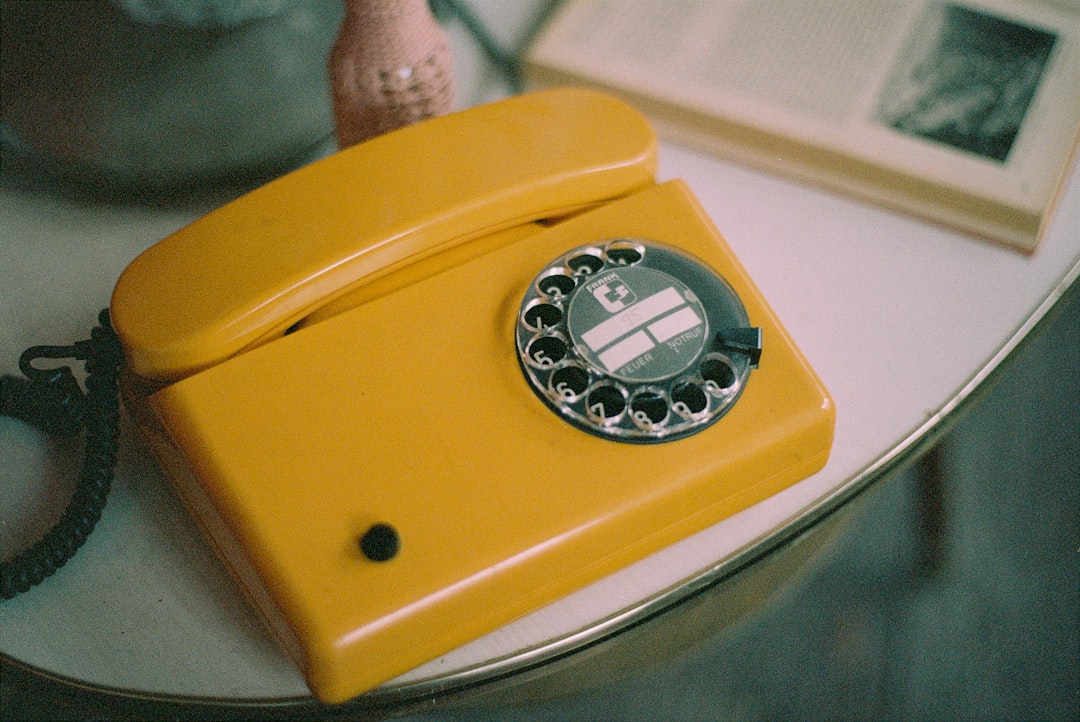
(433, 382)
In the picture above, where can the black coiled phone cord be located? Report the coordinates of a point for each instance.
(51, 400)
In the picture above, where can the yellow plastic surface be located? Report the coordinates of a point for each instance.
(246, 272)
(410, 408)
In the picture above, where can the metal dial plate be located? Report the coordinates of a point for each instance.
(635, 341)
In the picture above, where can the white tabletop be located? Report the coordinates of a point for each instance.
(901, 320)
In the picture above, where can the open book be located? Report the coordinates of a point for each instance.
(963, 112)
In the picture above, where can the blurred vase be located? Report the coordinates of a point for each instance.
(100, 96)
(389, 67)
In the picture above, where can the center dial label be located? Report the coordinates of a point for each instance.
(637, 324)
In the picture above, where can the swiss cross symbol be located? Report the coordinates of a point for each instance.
(614, 295)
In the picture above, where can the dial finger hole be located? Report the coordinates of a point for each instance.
(689, 400)
(606, 403)
(585, 262)
(718, 373)
(546, 351)
(624, 253)
(649, 408)
(569, 382)
(555, 284)
(540, 315)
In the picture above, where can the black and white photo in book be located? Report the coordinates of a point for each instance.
(966, 79)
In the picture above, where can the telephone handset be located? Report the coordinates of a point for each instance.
(269, 259)
(429, 384)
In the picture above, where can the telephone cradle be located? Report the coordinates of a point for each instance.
(431, 383)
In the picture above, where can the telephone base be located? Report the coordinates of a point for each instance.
(410, 409)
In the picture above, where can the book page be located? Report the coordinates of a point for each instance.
(811, 59)
(815, 59)
(978, 94)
